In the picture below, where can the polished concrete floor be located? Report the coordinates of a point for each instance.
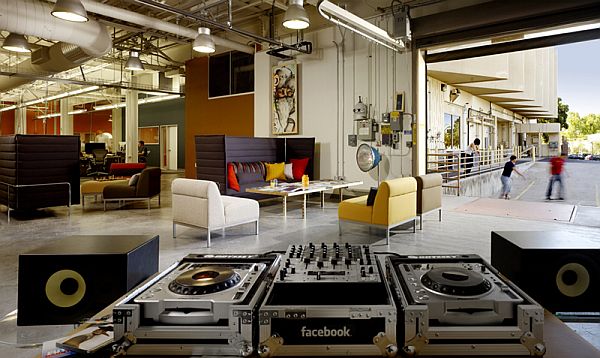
(456, 233)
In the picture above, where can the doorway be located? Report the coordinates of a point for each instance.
(168, 147)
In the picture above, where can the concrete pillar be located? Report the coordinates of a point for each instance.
(131, 125)
(21, 120)
(419, 93)
(117, 128)
(66, 119)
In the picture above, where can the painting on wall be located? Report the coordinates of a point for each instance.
(284, 119)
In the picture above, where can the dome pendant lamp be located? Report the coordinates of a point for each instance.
(16, 43)
(295, 16)
(70, 10)
(204, 43)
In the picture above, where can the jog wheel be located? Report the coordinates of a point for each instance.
(205, 280)
(456, 281)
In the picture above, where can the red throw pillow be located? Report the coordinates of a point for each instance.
(298, 167)
(232, 181)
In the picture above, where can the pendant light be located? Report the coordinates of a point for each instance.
(16, 43)
(70, 10)
(203, 42)
(133, 62)
(295, 16)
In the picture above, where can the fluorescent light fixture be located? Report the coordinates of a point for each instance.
(51, 98)
(204, 43)
(70, 10)
(348, 20)
(133, 62)
(16, 43)
(295, 16)
(141, 101)
(52, 115)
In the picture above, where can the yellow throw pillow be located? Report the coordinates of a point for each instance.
(275, 171)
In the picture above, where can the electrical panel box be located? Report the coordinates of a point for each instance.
(396, 121)
(365, 130)
(385, 118)
(352, 141)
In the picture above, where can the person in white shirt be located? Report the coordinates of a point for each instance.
(472, 156)
(104, 137)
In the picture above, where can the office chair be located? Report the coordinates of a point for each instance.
(98, 167)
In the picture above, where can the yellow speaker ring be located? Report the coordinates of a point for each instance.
(581, 284)
(55, 294)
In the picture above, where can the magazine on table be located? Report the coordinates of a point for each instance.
(88, 340)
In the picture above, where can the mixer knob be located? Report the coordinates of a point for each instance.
(311, 255)
(318, 275)
(362, 272)
(334, 261)
(335, 244)
(323, 244)
(361, 261)
(371, 269)
(347, 245)
(347, 261)
(320, 264)
(324, 254)
(368, 260)
(306, 260)
(298, 254)
(311, 245)
(293, 270)
(337, 254)
(282, 274)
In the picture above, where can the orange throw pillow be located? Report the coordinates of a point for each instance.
(299, 167)
(232, 181)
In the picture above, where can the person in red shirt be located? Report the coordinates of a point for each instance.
(556, 170)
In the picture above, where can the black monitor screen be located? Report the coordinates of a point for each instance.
(89, 147)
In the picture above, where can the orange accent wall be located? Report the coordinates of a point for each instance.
(233, 115)
(7, 122)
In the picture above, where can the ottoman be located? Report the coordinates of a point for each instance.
(95, 187)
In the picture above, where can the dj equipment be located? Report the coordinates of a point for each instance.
(202, 305)
(328, 300)
(459, 305)
(558, 269)
(76, 277)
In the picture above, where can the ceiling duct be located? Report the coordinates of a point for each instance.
(79, 42)
(150, 22)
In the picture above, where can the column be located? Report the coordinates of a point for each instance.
(419, 108)
(117, 128)
(21, 120)
(131, 126)
(66, 119)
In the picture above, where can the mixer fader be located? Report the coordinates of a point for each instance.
(329, 263)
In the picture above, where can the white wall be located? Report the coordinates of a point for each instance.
(329, 83)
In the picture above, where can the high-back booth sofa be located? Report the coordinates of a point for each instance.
(247, 156)
(26, 161)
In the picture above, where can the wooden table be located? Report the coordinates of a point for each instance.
(286, 190)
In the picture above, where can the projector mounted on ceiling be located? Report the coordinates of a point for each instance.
(348, 20)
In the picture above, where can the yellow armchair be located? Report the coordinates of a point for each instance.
(395, 204)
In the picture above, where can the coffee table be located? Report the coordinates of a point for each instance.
(286, 190)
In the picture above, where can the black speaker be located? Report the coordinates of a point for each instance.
(76, 277)
(558, 269)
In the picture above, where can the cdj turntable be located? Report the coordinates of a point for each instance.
(204, 304)
(328, 300)
(460, 304)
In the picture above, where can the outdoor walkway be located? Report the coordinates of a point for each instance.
(581, 189)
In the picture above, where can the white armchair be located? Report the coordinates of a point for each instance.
(198, 203)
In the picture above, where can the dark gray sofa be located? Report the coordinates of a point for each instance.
(213, 152)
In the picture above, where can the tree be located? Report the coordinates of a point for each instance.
(580, 127)
(563, 112)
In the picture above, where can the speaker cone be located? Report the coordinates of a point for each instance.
(65, 288)
(573, 279)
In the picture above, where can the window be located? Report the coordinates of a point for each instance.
(230, 73)
(148, 134)
(451, 131)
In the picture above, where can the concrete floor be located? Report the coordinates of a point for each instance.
(457, 233)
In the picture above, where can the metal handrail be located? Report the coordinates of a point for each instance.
(453, 165)
(17, 186)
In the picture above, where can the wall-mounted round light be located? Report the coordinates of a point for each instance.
(16, 43)
(203, 42)
(295, 16)
(70, 10)
(133, 62)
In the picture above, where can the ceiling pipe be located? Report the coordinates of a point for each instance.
(150, 22)
(79, 42)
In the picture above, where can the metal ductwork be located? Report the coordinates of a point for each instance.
(78, 42)
(150, 22)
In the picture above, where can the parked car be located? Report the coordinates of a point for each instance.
(588, 157)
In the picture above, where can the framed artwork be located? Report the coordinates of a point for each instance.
(399, 102)
(284, 118)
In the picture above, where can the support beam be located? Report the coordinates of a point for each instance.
(131, 126)
(66, 119)
(419, 149)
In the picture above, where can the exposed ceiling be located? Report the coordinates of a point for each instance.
(163, 37)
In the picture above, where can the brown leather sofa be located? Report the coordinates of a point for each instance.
(146, 188)
(429, 195)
